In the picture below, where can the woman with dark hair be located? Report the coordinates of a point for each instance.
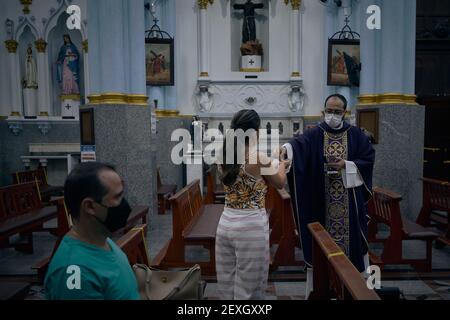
(242, 239)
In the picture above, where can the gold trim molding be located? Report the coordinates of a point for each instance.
(116, 98)
(11, 45)
(204, 74)
(26, 4)
(167, 113)
(85, 45)
(295, 4)
(43, 114)
(15, 114)
(41, 45)
(70, 97)
(295, 74)
(387, 98)
(203, 4)
(251, 69)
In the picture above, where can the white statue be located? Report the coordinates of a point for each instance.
(30, 80)
(296, 98)
(204, 96)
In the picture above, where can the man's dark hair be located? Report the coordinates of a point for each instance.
(340, 97)
(83, 182)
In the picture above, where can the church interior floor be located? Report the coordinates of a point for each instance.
(284, 284)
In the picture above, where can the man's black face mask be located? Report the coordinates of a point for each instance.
(117, 217)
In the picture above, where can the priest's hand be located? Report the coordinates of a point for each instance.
(339, 165)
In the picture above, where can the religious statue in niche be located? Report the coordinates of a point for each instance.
(69, 67)
(30, 79)
(68, 74)
(251, 48)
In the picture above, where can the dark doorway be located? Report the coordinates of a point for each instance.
(433, 83)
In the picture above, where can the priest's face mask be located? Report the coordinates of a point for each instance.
(334, 112)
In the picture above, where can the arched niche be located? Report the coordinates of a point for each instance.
(54, 20)
(24, 23)
(25, 39)
(55, 42)
(262, 32)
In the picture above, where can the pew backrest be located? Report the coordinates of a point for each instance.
(436, 194)
(134, 245)
(30, 176)
(19, 199)
(334, 271)
(384, 207)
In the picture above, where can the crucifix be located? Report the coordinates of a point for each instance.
(249, 26)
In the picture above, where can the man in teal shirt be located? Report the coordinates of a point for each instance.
(88, 264)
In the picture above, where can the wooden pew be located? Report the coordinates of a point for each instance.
(334, 275)
(384, 207)
(22, 212)
(214, 192)
(134, 244)
(436, 208)
(39, 175)
(164, 191)
(193, 223)
(283, 229)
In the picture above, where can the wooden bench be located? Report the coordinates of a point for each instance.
(134, 244)
(164, 191)
(39, 175)
(384, 207)
(283, 229)
(22, 212)
(436, 208)
(215, 192)
(334, 275)
(193, 223)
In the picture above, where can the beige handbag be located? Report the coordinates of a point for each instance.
(155, 284)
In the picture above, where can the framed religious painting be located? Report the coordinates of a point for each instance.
(159, 62)
(344, 62)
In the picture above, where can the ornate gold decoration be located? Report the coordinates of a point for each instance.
(15, 114)
(43, 114)
(203, 4)
(118, 99)
(295, 74)
(295, 4)
(41, 45)
(167, 113)
(11, 45)
(387, 98)
(204, 74)
(26, 4)
(85, 45)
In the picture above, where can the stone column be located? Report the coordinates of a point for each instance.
(121, 114)
(43, 84)
(16, 96)
(401, 125)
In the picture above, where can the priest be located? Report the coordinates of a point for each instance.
(330, 181)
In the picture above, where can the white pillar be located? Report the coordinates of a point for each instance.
(87, 89)
(295, 40)
(16, 96)
(42, 73)
(204, 70)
